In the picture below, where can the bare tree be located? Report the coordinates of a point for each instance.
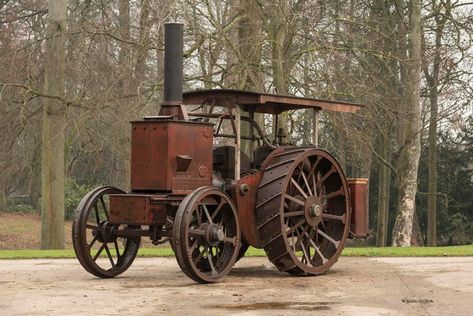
(54, 129)
(410, 154)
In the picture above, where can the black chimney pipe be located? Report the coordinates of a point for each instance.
(173, 62)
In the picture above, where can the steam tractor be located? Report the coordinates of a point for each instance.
(212, 182)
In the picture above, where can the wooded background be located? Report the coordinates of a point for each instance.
(74, 73)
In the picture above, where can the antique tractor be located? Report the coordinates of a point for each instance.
(213, 200)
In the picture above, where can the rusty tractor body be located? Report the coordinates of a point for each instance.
(212, 190)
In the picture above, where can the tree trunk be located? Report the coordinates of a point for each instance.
(121, 165)
(250, 41)
(384, 184)
(409, 160)
(53, 130)
(3, 199)
(164, 9)
(124, 21)
(250, 35)
(35, 181)
(143, 43)
(433, 82)
(432, 163)
(417, 239)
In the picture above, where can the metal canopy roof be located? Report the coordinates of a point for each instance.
(265, 102)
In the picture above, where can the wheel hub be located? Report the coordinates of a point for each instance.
(214, 234)
(313, 210)
(104, 233)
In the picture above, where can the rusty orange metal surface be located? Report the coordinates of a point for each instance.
(359, 203)
(245, 192)
(171, 156)
(265, 102)
(136, 209)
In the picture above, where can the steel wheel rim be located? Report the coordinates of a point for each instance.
(88, 236)
(331, 233)
(204, 257)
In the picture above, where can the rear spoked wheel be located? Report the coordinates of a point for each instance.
(305, 221)
(98, 249)
(206, 235)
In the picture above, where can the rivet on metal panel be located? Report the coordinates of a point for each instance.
(208, 132)
(203, 172)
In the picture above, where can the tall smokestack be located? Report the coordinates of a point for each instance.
(173, 71)
(173, 43)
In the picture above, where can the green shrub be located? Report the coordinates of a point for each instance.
(16, 206)
(461, 230)
(74, 192)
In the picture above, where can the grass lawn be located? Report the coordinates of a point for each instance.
(252, 252)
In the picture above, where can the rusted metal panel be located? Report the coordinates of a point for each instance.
(359, 204)
(136, 209)
(265, 102)
(245, 192)
(170, 155)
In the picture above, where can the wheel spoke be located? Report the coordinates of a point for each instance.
(207, 213)
(299, 241)
(323, 224)
(317, 249)
(194, 245)
(209, 258)
(306, 228)
(325, 177)
(294, 240)
(332, 217)
(314, 186)
(93, 227)
(99, 252)
(297, 225)
(286, 206)
(296, 213)
(311, 173)
(219, 207)
(198, 216)
(109, 255)
(104, 207)
(196, 232)
(306, 182)
(201, 254)
(117, 249)
(97, 217)
(293, 199)
(231, 240)
(333, 194)
(93, 242)
(304, 251)
(333, 241)
(294, 182)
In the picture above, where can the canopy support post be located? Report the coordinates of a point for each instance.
(237, 140)
(315, 127)
(252, 134)
(275, 127)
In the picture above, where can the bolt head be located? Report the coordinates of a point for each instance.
(220, 235)
(315, 210)
(244, 188)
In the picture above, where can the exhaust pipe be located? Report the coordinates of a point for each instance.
(173, 72)
(173, 42)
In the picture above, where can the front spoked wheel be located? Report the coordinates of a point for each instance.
(97, 248)
(206, 235)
